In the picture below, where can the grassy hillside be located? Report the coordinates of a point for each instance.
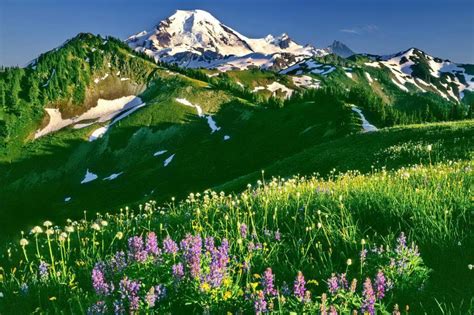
(389, 148)
(286, 245)
(71, 78)
(50, 169)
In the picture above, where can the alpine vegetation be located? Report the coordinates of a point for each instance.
(193, 169)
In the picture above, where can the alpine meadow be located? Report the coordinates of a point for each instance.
(192, 169)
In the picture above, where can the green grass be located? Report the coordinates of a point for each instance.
(322, 222)
(51, 168)
(389, 148)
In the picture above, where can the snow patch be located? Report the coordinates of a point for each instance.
(366, 126)
(89, 177)
(104, 111)
(96, 81)
(188, 103)
(158, 153)
(212, 124)
(275, 86)
(369, 78)
(402, 87)
(98, 133)
(113, 176)
(258, 88)
(306, 81)
(168, 160)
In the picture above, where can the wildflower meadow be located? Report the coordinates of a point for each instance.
(378, 243)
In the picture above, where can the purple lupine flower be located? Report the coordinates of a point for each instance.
(99, 282)
(343, 281)
(129, 290)
(223, 254)
(155, 294)
(219, 261)
(152, 244)
(209, 244)
(178, 271)
(192, 247)
(260, 304)
(299, 286)
(43, 270)
(380, 284)
(118, 307)
(268, 283)
(170, 246)
(136, 249)
(277, 235)
(368, 302)
(243, 230)
(402, 243)
(160, 291)
(118, 262)
(98, 308)
(150, 297)
(333, 284)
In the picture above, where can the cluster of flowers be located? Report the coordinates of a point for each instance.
(402, 264)
(339, 293)
(183, 262)
(147, 274)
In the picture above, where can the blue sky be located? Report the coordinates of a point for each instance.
(443, 28)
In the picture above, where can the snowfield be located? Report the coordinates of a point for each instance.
(366, 126)
(104, 111)
(275, 86)
(306, 81)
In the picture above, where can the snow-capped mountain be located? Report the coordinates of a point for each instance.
(197, 39)
(340, 49)
(426, 72)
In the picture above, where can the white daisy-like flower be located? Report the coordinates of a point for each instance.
(37, 230)
(95, 226)
(23, 242)
(47, 223)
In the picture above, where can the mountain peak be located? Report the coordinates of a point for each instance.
(195, 38)
(340, 49)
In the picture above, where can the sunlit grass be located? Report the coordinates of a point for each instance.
(344, 226)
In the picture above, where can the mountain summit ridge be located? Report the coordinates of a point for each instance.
(195, 38)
